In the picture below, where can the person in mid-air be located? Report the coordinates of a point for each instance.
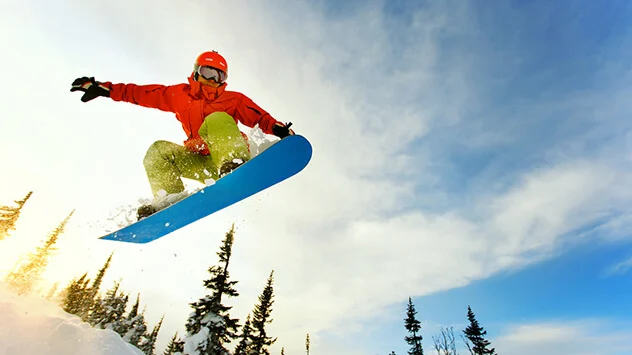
(208, 113)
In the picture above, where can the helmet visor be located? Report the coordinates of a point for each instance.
(210, 73)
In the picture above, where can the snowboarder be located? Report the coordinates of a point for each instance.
(208, 113)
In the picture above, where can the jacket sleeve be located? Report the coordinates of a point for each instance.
(250, 114)
(160, 97)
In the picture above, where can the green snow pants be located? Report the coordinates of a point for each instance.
(166, 163)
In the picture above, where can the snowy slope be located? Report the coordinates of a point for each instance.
(31, 325)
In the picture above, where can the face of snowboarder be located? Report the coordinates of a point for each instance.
(212, 83)
(211, 76)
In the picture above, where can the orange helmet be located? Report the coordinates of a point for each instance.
(211, 59)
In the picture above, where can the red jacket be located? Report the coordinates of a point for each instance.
(191, 103)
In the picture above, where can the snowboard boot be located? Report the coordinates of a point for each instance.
(229, 166)
(160, 202)
(145, 211)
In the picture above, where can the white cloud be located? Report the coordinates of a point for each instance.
(619, 268)
(549, 202)
(576, 337)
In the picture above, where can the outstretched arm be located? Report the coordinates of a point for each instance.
(153, 96)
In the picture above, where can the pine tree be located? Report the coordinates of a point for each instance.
(175, 345)
(282, 351)
(93, 291)
(118, 320)
(148, 342)
(245, 338)
(109, 313)
(100, 307)
(413, 326)
(108, 309)
(9, 216)
(73, 296)
(134, 324)
(261, 316)
(475, 337)
(307, 344)
(26, 276)
(97, 312)
(91, 300)
(210, 317)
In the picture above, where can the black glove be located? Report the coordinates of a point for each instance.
(280, 130)
(90, 87)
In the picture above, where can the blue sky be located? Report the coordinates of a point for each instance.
(547, 75)
(575, 285)
(464, 153)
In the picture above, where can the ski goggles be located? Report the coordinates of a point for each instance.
(214, 74)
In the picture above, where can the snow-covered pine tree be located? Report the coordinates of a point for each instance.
(210, 326)
(73, 295)
(413, 326)
(9, 216)
(175, 345)
(245, 338)
(307, 344)
(261, 316)
(475, 336)
(119, 325)
(102, 307)
(109, 315)
(26, 276)
(147, 343)
(134, 324)
(97, 312)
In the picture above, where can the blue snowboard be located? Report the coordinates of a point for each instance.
(280, 161)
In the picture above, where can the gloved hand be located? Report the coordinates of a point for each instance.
(280, 130)
(90, 87)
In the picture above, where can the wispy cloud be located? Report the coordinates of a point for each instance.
(574, 337)
(619, 268)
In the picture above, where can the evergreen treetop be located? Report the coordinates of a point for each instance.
(245, 338)
(475, 336)
(261, 317)
(147, 343)
(9, 216)
(73, 295)
(413, 326)
(175, 345)
(210, 317)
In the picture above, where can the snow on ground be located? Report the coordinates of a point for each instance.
(31, 325)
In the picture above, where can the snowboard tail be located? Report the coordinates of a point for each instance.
(280, 161)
